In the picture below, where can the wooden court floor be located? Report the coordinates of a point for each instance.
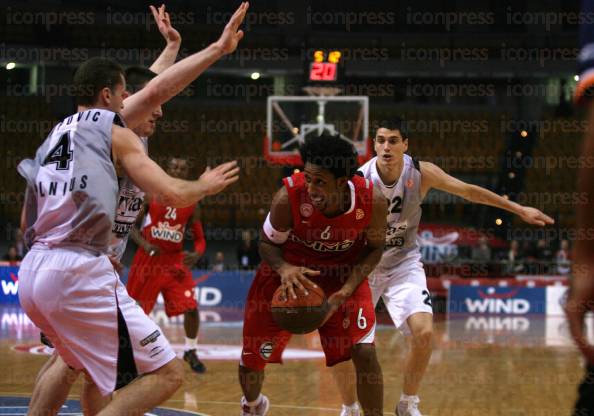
(480, 366)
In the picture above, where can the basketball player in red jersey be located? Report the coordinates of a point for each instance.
(328, 226)
(161, 266)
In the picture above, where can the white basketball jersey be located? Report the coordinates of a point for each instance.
(129, 205)
(72, 183)
(404, 211)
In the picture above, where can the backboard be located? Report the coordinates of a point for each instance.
(291, 119)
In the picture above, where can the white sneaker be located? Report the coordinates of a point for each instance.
(408, 408)
(353, 410)
(260, 409)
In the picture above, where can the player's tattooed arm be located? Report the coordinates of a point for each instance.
(434, 177)
(372, 254)
(280, 223)
(172, 37)
(151, 178)
(174, 79)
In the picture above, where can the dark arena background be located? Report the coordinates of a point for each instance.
(483, 88)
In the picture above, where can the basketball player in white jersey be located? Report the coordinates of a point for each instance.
(130, 199)
(70, 206)
(399, 279)
(55, 378)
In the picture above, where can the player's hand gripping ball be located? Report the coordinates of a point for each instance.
(303, 314)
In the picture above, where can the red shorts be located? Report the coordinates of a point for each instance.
(264, 341)
(164, 274)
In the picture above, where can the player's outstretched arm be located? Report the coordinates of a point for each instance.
(147, 175)
(172, 37)
(376, 239)
(434, 177)
(174, 79)
(274, 234)
(581, 291)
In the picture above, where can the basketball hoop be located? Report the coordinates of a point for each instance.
(292, 119)
(322, 91)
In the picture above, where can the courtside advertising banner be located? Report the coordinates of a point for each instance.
(496, 300)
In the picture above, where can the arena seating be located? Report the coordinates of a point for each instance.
(553, 174)
(212, 132)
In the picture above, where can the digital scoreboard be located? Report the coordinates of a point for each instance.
(324, 67)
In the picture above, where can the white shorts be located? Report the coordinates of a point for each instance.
(403, 290)
(77, 300)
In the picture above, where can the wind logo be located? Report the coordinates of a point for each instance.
(496, 300)
(10, 288)
(493, 302)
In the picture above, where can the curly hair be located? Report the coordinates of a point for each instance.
(331, 153)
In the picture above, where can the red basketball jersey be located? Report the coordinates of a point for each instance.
(330, 245)
(165, 226)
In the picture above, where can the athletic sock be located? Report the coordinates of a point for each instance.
(255, 402)
(191, 343)
(406, 398)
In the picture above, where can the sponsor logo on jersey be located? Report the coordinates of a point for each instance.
(151, 338)
(266, 350)
(128, 205)
(121, 229)
(324, 246)
(306, 210)
(164, 231)
(359, 214)
(396, 235)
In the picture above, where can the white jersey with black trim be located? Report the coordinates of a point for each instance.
(404, 211)
(72, 184)
(129, 204)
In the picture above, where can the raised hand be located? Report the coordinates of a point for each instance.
(164, 24)
(231, 34)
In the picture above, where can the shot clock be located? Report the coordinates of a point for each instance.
(324, 67)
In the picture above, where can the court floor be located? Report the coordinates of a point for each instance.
(481, 365)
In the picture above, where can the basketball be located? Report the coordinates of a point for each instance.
(303, 314)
